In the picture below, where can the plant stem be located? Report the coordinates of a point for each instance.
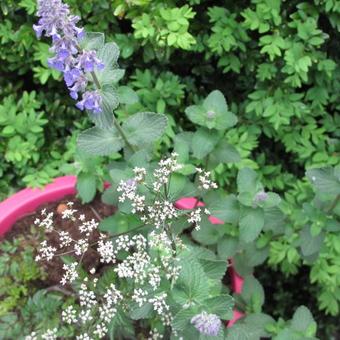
(95, 80)
(115, 121)
(334, 204)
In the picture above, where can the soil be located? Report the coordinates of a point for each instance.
(96, 210)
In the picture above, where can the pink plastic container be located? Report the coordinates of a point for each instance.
(28, 200)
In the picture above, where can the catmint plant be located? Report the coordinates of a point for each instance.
(76, 64)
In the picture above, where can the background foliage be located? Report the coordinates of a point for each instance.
(276, 64)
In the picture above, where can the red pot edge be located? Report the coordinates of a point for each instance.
(27, 200)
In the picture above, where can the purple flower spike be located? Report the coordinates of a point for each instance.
(207, 324)
(57, 22)
(88, 61)
(91, 101)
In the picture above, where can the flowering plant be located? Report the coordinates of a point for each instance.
(161, 268)
(149, 276)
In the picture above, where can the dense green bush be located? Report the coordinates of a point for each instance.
(277, 65)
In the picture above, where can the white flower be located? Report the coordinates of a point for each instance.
(204, 181)
(195, 217)
(32, 336)
(139, 296)
(50, 334)
(45, 251)
(69, 315)
(70, 273)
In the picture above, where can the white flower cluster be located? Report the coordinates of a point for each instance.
(195, 217)
(50, 334)
(162, 308)
(46, 222)
(70, 273)
(204, 181)
(69, 315)
(165, 168)
(79, 247)
(46, 252)
(155, 335)
(160, 213)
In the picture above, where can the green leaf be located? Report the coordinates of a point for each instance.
(227, 247)
(100, 142)
(127, 95)
(302, 320)
(310, 244)
(225, 208)
(251, 224)
(145, 127)
(325, 180)
(119, 223)
(109, 55)
(110, 99)
(221, 305)
(203, 142)
(253, 293)
(86, 186)
(143, 312)
(192, 283)
(224, 153)
(183, 317)
(208, 233)
(214, 269)
(246, 180)
(92, 41)
(213, 113)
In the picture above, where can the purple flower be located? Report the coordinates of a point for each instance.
(57, 22)
(211, 114)
(91, 101)
(88, 61)
(207, 324)
(261, 196)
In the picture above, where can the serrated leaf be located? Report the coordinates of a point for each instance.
(192, 283)
(145, 127)
(214, 269)
(142, 312)
(100, 142)
(110, 99)
(302, 319)
(324, 180)
(183, 317)
(109, 54)
(92, 41)
(213, 113)
(221, 305)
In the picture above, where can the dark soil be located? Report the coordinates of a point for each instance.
(95, 210)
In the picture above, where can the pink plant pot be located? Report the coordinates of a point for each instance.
(28, 200)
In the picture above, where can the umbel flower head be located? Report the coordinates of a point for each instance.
(207, 324)
(57, 22)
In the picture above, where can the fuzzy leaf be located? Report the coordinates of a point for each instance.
(100, 142)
